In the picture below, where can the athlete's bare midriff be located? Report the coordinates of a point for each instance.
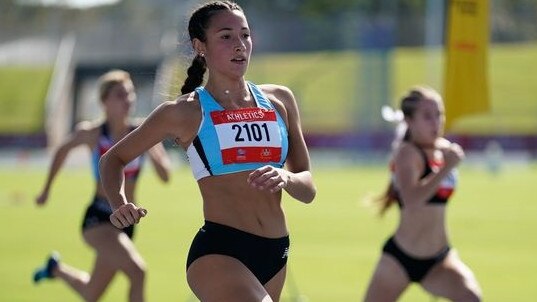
(422, 232)
(230, 200)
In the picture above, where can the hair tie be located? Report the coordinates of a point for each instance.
(391, 115)
(395, 117)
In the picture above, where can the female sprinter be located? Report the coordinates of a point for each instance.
(114, 248)
(237, 136)
(423, 179)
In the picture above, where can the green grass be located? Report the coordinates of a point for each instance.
(512, 79)
(22, 98)
(323, 83)
(332, 92)
(331, 88)
(336, 240)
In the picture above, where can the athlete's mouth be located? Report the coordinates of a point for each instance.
(239, 60)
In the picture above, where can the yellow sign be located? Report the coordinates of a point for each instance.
(466, 87)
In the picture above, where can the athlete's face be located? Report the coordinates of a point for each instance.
(228, 46)
(427, 123)
(119, 100)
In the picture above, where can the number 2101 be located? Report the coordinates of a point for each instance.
(253, 132)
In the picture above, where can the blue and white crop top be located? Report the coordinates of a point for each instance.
(131, 170)
(231, 141)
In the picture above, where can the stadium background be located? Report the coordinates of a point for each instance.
(343, 60)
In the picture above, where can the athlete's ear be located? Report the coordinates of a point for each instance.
(199, 47)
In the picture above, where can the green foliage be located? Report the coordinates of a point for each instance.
(329, 86)
(324, 8)
(336, 240)
(323, 82)
(22, 98)
(511, 86)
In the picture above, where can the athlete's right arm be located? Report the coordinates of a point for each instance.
(167, 120)
(409, 165)
(83, 134)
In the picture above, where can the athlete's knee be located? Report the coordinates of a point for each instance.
(87, 291)
(136, 271)
(474, 295)
(474, 291)
(92, 297)
(469, 294)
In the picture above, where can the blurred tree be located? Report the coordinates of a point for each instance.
(317, 8)
(512, 20)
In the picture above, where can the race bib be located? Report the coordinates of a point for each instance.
(249, 135)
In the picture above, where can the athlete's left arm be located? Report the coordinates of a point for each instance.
(161, 161)
(297, 180)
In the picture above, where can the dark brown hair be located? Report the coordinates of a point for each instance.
(197, 25)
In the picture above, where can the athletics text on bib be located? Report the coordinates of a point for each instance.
(249, 135)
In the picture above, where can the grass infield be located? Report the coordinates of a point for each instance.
(336, 240)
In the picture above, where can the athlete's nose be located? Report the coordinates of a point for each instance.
(240, 46)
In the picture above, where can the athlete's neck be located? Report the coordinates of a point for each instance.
(230, 95)
(118, 127)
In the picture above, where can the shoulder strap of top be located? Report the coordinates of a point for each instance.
(425, 161)
(104, 130)
(260, 97)
(207, 101)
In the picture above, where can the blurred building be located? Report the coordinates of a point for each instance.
(143, 36)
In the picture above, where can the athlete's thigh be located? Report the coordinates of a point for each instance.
(223, 278)
(452, 279)
(388, 282)
(275, 285)
(114, 247)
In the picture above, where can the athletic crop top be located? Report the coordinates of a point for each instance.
(131, 170)
(446, 187)
(230, 141)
